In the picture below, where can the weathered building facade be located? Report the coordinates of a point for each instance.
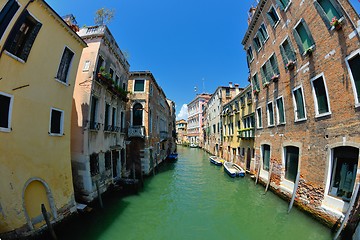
(35, 113)
(149, 118)
(238, 129)
(181, 126)
(213, 121)
(304, 60)
(98, 150)
(195, 119)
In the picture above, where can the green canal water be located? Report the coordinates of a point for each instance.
(193, 199)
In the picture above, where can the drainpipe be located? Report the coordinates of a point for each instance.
(348, 16)
(17, 20)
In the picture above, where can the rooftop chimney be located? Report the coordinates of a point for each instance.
(251, 14)
(237, 91)
(230, 84)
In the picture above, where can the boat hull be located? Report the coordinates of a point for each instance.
(214, 160)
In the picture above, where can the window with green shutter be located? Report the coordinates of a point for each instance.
(321, 101)
(264, 70)
(280, 110)
(299, 104)
(262, 33)
(283, 4)
(272, 17)
(266, 156)
(303, 37)
(259, 118)
(255, 81)
(287, 52)
(291, 162)
(257, 43)
(274, 65)
(327, 9)
(270, 114)
(354, 64)
(250, 55)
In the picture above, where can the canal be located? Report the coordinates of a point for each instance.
(193, 199)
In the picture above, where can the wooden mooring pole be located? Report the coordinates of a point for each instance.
(346, 217)
(294, 191)
(99, 194)
(47, 220)
(258, 173)
(270, 172)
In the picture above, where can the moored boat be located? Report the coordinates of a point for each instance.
(216, 160)
(172, 157)
(233, 169)
(193, 145)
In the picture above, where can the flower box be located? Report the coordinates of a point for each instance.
(290, 65)
(336, 23)
(275, 78)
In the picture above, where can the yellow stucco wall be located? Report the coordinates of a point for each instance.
(28, 151)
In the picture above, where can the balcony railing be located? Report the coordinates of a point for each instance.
(247, 133)
(136, 131)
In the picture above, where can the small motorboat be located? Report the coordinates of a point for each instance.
(193, 145)
(233, 169)
(216, 160)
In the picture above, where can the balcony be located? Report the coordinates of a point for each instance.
(136, 131)
(246, 133)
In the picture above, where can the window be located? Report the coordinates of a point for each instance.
(227, 92)
(273, 17)
(257, 44)
(56, 122)
(137, 114)
(122, 119)
(280, 112)
(262, 33)
(265, 156)
(255, 82)
(328, 9)
(270, 114)
(353, 63)
(283, 4)
(287, 53)
(151, 89)
(303, 37)
(320, 96)
(299, 104)
(214, 128)
(259, 118)
(274, 70)
(93, 113)
(86, 66)
(114, 120)
(107, 125)
(94, 164)
(6, 103)
(250, 55)
(343, 172)
(107, 160)
(22, 36)
(111, 71)
(100, 63)
(6, 14)
(64, 67)
(139, 85)
(117, 80)
(291, 162)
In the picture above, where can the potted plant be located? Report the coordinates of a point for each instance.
(308, 51)
(336, 23)
(290, 65)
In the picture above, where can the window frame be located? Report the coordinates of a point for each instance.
(278, 111)
(66, 82)
(295, 104)
(272, 7)
(249, 50)
(94, 125)
(317, 114)
(10, 109)
(285, 151)
(61, 122)
(353, 84)
(268, 114)
(86, 66)
(139, 79)
(259, 124)
(7, 23)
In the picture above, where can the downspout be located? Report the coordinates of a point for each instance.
(348, 16)
(17, 20)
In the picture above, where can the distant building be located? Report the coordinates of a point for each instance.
(98, 150)
(213, 122)
(150, 121)
(304, 60)
(238, 129)
(181, 127)
(194, 126)
(38, 62)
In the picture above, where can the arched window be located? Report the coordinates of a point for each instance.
(137, 114)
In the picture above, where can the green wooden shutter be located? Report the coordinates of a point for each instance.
(280, 5)
(299, 104)
(274, 64)
(270, 19)
(292, 54)
(269, 71)
(260, 37)
(322, 14)
(6, 14)
(280, 106)
(321, 97)
(309, 35)
(283, 55)
(256, 46)
(298, 41)
(354, 64)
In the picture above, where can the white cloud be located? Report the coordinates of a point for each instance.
(183, 114)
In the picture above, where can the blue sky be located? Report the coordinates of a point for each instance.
(184, 43)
